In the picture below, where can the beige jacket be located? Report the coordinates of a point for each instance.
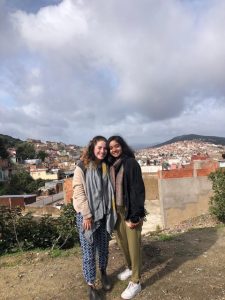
(80, 201)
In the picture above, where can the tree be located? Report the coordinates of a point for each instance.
(23, 183)
(42, 155)
(3, 152)
(165, 165)
(217, 201)
(25, 151)
(20, 182)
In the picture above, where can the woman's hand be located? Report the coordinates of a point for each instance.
(87, 223)
(133, 225)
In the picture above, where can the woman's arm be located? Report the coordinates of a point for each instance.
(136, 192)
(80, 201)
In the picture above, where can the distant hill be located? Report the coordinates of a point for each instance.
(9, 141)
(189, 137)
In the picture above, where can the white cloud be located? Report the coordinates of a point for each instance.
(145, 69)
(52, 27)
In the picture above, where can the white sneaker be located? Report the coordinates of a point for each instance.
(125, 274)
(131, 291)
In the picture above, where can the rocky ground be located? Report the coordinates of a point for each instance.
(185, 262)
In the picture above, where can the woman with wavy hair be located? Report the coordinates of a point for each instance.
(93, 200)
(129, 190)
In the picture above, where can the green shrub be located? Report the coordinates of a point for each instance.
(20, 232)
(66, 228)
(217, 201)
(7, 225)
(46, 232)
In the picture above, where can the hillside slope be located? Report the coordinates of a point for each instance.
(9, 141)
(191, 137)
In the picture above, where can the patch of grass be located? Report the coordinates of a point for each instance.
(166, 237)
(19, 257)
(11, 261)
(8, 264)
(220, 225)
(57, 252)
(16, 254)
(24, 257)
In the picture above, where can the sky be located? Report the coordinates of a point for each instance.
(148, 70)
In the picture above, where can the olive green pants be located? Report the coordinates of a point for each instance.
(129, 241)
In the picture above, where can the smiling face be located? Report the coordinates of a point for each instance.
(115, 149)
(100, 150)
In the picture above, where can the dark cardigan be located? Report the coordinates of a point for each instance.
(133, 190)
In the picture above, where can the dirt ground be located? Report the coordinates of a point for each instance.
(186, 263)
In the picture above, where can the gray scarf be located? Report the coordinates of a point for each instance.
(100, 199)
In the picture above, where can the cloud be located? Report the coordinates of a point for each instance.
(145, 70)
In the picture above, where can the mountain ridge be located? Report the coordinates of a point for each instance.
(10, 141)
(191, 137)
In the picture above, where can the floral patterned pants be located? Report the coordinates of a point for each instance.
(100, 248)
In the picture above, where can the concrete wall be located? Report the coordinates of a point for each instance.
(151, 186)
(43, 175)
(150, 181)
(184, 194)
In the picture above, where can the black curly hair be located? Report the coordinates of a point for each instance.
(126, 150)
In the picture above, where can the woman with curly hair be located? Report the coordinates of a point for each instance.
(93, 200)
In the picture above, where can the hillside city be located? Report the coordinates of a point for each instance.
(61, 158)
(178, 154)
(60, 161)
